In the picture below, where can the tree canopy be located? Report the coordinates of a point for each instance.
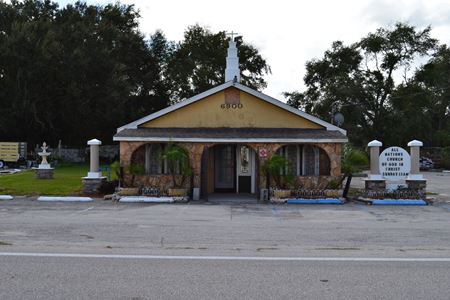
(372, 83)
(198, 63)
(80, 71)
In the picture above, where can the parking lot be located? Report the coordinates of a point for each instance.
(111, 250)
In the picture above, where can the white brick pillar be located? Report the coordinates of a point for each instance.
(375, 181)
(94, 159)
(93, 181)
(414, 146)
(374, 147)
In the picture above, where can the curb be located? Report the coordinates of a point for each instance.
(140, 199)
(64, 199)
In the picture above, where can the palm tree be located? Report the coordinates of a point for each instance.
(278, 168)
(353, 160)
(177, 157)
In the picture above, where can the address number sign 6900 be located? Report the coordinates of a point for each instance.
(231, 106)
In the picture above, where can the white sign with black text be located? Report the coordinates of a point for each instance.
(395, 163)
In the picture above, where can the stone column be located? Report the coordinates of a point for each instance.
(375, 181)
(415, 180)
(94, 158)
(94, 179)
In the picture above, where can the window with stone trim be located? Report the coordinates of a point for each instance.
(305, 160)
(154, 164)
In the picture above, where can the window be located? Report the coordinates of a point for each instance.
(306, 160)
(154, 164)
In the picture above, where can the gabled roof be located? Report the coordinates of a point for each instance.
(264, 97)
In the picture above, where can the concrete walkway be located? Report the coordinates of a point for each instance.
(232, 198)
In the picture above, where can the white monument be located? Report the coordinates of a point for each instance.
(44, 170)
(94, 179)
(394, 164)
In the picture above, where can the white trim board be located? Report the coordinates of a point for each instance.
(135, 124)
(227, 140)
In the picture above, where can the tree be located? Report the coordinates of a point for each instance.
(72, 73)
(358, 80)
(177, 159)
(198, 63)
(278, 168)
(353, 160)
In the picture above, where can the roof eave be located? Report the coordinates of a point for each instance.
(229, 140)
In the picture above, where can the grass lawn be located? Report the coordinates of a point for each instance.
(67, 181)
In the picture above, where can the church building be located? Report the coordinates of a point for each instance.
(229, 131)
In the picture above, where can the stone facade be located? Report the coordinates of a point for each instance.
(91, 186)
(375, 185)
(417, 185)
(133, 152)
(44, 173)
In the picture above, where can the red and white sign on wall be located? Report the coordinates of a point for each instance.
(263, 152)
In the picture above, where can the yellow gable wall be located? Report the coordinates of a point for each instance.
(208, 113)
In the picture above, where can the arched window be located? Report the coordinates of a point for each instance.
(153, 162)
(306, 160)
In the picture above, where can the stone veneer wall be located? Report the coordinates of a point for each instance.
(195, 151)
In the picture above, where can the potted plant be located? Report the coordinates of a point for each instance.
(177, 160)
(277, 168)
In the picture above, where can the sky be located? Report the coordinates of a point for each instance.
(290, 33)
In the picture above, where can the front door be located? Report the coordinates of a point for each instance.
(225, 168)
(245, 169)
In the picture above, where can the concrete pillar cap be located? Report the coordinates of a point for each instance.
(415, 143)
(375, 143)
(94, 142)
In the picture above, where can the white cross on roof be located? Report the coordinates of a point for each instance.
(231, 34)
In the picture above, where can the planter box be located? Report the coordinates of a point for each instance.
(128, 192)
(280, 194)
(177, 192)
(334, 193)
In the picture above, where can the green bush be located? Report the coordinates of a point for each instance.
(278, 168)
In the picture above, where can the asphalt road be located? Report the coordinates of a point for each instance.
(353, 232)
(104, 278)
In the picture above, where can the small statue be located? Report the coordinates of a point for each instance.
(44, 147)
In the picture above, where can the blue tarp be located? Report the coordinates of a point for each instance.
(398, 202)
(314, 201)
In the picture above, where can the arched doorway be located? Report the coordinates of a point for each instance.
(229, 168)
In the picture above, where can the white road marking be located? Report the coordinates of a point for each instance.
(241, 258)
